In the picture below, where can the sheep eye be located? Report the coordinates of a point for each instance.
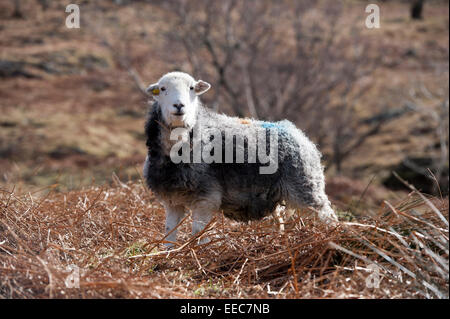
(191, 88)
(163, 88)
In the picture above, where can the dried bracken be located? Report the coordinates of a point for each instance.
(113, 238)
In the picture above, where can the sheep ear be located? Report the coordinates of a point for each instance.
(201, 87)
(153, 89)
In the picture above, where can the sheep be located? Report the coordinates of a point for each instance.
(187, 171)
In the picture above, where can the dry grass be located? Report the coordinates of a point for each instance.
(114, 236)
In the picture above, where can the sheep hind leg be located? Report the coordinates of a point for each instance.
(318, 202)
(327, 214)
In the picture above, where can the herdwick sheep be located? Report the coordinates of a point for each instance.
(189, 165)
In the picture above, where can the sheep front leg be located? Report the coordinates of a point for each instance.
(201, 218)
(202, 213)
(174, 214)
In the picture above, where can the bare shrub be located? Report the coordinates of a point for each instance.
(275, 60)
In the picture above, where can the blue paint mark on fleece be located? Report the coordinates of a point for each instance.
(282, 125)
(269, 125)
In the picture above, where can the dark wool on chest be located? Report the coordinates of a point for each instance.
(245, 193)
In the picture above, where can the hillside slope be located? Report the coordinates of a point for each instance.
(113, 238)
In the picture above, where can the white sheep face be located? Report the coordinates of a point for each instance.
(177, 95)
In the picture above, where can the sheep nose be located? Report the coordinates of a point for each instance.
(179, 106)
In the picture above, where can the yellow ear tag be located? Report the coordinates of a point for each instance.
(155, 91)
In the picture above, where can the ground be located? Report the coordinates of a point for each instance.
(113, 237)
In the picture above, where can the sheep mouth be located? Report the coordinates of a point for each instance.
(178, 113)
